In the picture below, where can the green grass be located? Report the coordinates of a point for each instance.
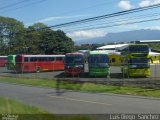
(26, 112)
(89, 87)
(8, 106)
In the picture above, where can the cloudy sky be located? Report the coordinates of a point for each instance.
(54, 12)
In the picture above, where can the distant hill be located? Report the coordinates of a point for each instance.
(123, 37)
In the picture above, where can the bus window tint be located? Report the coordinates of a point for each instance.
(98, 59)
(33, 59)
(2, 58)
(41, 59)
(51, 59)
(78, 59)
(139, 62)
(59, 59)
(69, 59)
(74, 59)
(25, 59)
(138, 48)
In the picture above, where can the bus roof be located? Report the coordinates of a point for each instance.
(3, 56)
(98, 52)
(11, 55)
(43, 55)
(75, 53)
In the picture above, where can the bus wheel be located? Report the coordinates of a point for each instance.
(38, 69)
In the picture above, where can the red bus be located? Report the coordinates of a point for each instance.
(38, 63)
(74, 63)
(3, 61)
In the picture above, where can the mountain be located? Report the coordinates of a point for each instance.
(123, 37)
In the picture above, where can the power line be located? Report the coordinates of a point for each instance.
(107, 26)
(13, 4)
(107, 16)
(31, 3)
(113, 22)
(85, 8)
(103, 17)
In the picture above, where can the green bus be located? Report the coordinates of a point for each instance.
(11, 62)
(98, 63)
(135, 60)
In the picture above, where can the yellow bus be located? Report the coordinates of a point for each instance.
(135, 60)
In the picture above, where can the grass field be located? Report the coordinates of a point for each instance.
(8, 106)
(21, 111)
(89, 87)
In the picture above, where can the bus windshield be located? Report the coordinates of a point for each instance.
(139, 62)
(74, 59)
(98, 59)
(138, 49)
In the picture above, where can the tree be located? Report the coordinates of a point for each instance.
(9, 27)
(36, 39)
(56, 42)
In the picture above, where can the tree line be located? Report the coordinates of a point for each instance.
(15, 38)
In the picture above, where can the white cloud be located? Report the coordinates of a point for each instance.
(49, 19)
(144, 3)
(60, 17)
(125, 5)
(86, 34)
(153, 28)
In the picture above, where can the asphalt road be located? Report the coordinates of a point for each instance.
(68, 102)
(115, 74)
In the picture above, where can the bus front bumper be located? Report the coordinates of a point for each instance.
(99, 72)
(139, 72)
(74, 71)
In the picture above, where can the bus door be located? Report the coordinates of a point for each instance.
(19, 63)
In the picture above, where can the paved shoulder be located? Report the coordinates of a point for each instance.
(65, 102)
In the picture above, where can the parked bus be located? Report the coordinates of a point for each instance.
(74, 64)
(98, 63)
(11, 62)
(135, 60)
(38, 63)
(3, 61)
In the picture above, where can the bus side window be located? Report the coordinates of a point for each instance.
(39, 59)
(25, 59)
(29, 59)
(45, 59)
(51, 59)
(59, 59)
(33, 59)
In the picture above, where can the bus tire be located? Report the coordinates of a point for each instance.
(38, 69)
